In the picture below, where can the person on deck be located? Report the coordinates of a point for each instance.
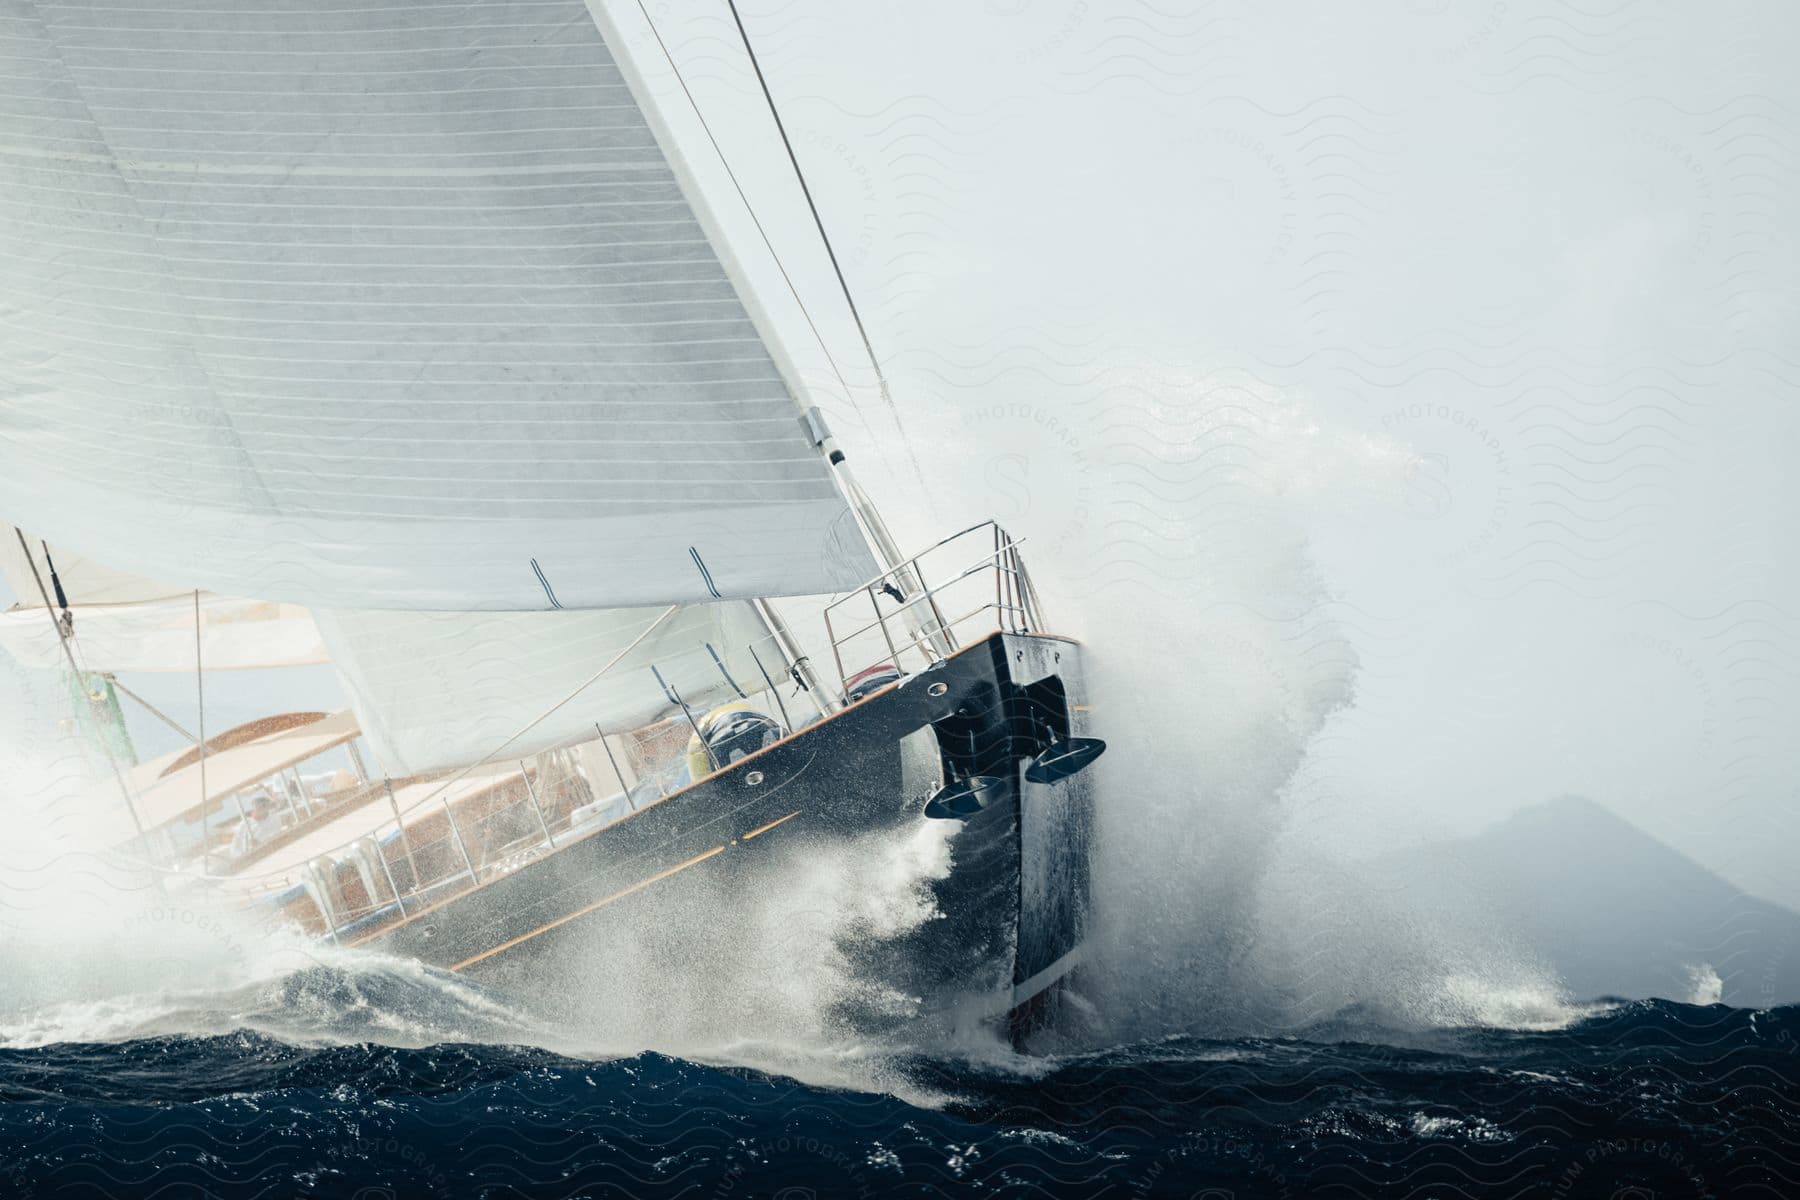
(258, 827)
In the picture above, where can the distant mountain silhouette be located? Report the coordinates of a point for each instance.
(1612, 909)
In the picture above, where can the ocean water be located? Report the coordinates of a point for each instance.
(331, 1080)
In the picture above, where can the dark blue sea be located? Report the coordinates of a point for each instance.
(1636, 1100)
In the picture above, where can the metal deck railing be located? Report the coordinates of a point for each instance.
(919, 622)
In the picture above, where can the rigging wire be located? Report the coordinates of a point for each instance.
(154, 711)
(887, 398)
(748, 207)
(806, 191)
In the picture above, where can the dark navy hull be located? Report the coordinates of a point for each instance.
(1013, 904)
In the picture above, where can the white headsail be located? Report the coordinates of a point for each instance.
(84, 580)
(438, 690)
(123, 622)
(384, 306)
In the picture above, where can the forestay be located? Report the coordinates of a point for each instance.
(435, 690)
(390, 306)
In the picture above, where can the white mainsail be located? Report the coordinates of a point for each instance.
(122, 622)
(435, 690)
(380, 306)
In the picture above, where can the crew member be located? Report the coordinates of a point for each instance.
(262, 824)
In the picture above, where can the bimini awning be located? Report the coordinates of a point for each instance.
(169, 788)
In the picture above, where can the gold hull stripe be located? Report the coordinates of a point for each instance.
(762, 829)
(582, 912)
(620, 894)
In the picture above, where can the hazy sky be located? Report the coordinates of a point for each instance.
(1490, 307)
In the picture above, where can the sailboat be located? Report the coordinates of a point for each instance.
(406, 341)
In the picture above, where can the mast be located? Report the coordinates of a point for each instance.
(799, 661)
(875, 529)
(928, 626)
